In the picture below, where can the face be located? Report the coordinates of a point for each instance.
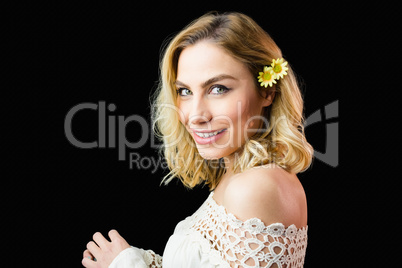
(220, 106)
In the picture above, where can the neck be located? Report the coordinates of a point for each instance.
(229, 165)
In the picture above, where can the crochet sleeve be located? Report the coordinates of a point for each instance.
(251, 243)
(137, 258)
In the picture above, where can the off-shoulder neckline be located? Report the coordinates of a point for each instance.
(255, 221)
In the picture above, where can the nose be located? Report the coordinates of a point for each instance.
(200, 113)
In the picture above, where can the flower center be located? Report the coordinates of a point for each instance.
(277, 68)
(267, 76)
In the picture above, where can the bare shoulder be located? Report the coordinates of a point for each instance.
(269, 193)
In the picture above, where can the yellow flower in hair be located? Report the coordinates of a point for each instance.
(267, 77)
(279, 68)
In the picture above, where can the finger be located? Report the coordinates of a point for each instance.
(86, 262)
(118, 241)
(94, 250)
(114, 235)
(87, 254)
(100, 240)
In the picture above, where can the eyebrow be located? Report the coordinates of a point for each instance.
(209, 81)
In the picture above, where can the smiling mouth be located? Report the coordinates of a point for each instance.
(208, 134)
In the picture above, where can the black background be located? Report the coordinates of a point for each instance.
(61, 55)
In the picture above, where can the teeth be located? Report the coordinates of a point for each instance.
(207, 135)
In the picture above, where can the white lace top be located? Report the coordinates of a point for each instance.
(212, 237)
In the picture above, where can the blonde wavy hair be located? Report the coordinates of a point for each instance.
(281, 140)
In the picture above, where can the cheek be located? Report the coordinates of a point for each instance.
(250, 118)
(228, 113)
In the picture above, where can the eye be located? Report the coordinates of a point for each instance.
(184, 92)
(218, 90)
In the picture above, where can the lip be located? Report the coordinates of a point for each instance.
(208, 140)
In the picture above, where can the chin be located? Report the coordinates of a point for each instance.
(214, 153)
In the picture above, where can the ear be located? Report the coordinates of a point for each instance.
(269, 95)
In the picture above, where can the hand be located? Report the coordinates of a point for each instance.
(103, 251)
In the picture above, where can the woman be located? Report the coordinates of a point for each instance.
(229, 112)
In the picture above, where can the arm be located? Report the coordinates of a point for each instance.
(253, 244)
(117, 253)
